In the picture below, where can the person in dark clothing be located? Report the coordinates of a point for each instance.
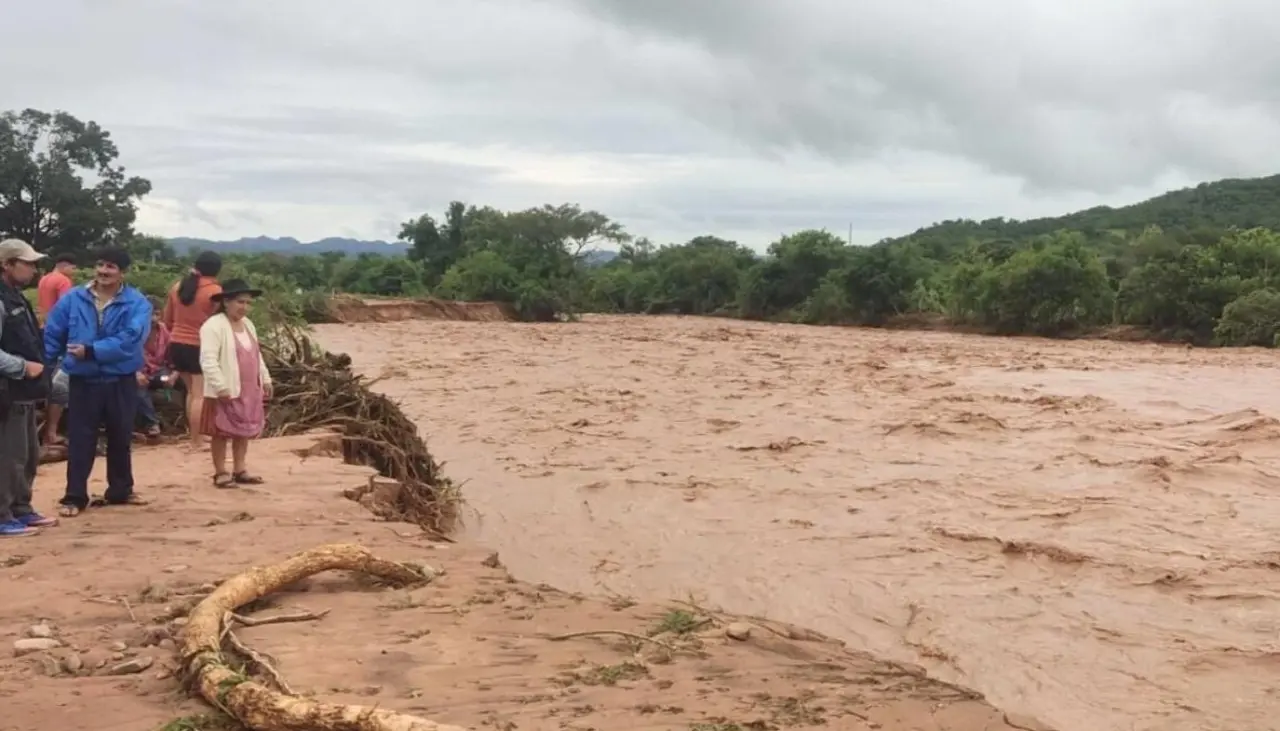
(23, 384)
(99, 331)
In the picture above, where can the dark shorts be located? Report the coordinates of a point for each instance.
(185, 358)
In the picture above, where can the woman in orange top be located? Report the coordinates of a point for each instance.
(192, 300)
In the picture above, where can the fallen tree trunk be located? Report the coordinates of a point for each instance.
(255, 705)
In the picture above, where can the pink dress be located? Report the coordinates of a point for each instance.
(244, 416)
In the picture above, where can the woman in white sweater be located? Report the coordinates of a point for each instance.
(236, 384)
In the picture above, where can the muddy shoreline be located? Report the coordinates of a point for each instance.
(475, 647)
(1077, 529)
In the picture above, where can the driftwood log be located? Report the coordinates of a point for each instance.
(257, 706)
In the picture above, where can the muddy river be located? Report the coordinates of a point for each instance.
(1086, 532)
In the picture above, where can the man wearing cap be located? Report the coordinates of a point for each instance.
(23, 384)
(99, 331)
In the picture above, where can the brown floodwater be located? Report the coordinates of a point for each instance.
(1086, 532)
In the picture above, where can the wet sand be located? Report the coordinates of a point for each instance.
(1083, 531)
(474, 648)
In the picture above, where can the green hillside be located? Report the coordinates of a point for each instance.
(1201, 213)
(1200, 264)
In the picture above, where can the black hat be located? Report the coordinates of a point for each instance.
(235, 288)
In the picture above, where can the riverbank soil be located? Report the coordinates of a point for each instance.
(1083, 531)
(92, 607)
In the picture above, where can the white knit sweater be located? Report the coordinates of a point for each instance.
(218, 357)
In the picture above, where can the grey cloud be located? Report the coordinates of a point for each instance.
(1078, 97)
(583, 130)
(239, 103)
(241, 163)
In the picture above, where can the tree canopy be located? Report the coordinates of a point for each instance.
(61, 188)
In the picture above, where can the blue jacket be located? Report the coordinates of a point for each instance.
(112, 349)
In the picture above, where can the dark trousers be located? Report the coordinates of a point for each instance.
(19, 457)
(112, 405)
(146, 404)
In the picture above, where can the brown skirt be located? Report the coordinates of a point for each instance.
(208, 417)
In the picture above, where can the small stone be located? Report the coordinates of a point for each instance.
(164, 675)
(72, 663)
(34, 644)
(155, 635)
(117, 656)
(40, 631)
(491, 561)
(179, 621)
(118, 646)
(206, 588)
(739, 631)
(132, 667)
(168, 644)
(176, 568)
(50, 666)
(93, 657)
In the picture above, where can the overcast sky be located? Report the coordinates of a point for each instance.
(742, 118)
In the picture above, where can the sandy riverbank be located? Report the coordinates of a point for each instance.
(473, 648)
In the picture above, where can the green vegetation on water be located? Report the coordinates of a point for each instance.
(1200, 265)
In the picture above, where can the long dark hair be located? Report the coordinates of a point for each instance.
(208, 264)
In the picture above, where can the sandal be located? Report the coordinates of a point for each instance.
(133, 500)
(244, 478)
(68, 511)
(224, 480)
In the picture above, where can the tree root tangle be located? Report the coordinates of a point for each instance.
(255, 705)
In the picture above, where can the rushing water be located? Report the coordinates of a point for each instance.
(1086, 532)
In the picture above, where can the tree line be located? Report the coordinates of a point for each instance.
(1200, 265)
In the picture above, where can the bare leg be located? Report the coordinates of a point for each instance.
(218, 446)
(240, 464)
(239, 455)
(194, 383)
(52, 415)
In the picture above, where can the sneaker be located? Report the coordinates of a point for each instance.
(36, 520)
(16, 529)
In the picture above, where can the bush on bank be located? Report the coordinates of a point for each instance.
(1223, 292)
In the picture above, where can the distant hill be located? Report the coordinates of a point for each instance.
(289, 246)
(1238, 202)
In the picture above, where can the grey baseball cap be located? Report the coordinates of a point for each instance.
(18, 249)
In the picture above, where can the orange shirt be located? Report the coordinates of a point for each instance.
(50, 289)
(184, 321)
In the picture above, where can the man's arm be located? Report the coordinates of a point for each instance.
(11, 366)
(127, 343)
(55, 331)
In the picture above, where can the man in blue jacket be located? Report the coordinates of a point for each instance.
(98, 331)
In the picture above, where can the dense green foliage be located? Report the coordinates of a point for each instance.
(1199, 264)
(1196, 287)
